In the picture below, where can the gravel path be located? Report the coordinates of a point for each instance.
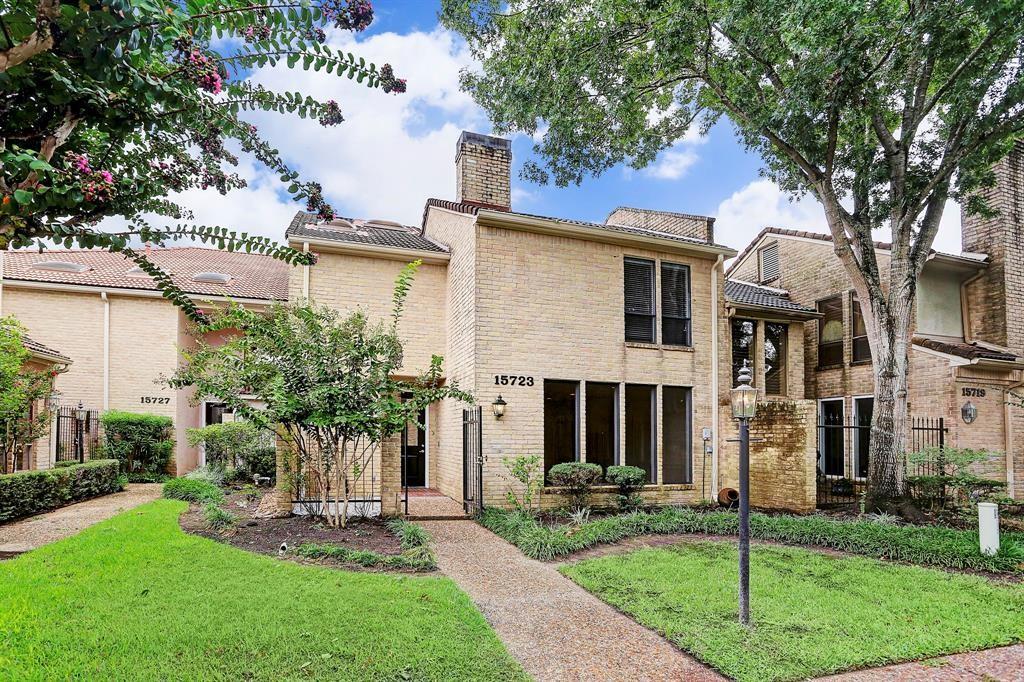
(554, 628)
(36, 531)
(1005, 664)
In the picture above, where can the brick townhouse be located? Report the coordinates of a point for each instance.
(613, 342)
(968, 339)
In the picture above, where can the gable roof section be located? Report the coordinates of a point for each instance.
(474, 209)
(43, 352)
(365, 233)
(252, 275)
(757, 296)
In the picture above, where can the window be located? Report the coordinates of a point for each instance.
(677, 452)
(861, 349)
(768, 263)
(742, 345)
(675, 304)
(639, 298)
(775, 358)
(831, 438)
(602, 423)
(560, 422)
(640, 428)
(830, 332)
(863, 408)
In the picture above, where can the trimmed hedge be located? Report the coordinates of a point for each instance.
(32, 492)
(930, 545)
(192, 490)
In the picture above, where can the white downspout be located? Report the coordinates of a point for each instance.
(106, 350)
(714, 374)
(2, 252)
(305, 273)
(1011, 488)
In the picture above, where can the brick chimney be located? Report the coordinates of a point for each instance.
(483, 171)
(693, 226)
(996, 299)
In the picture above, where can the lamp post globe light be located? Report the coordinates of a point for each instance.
(744, 407)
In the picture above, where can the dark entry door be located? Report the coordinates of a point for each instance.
(414, 452)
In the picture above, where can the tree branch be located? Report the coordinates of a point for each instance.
(40, 40)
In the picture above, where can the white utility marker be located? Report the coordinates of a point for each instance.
(988, 527)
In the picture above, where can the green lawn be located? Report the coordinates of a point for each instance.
(136, 598)
(813, 614)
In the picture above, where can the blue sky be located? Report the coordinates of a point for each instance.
(395, 151)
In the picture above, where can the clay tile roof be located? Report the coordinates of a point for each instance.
(473, 209)
(362, 232)
(968, 351)
(746, 293)
(252, 275)
(37, 348)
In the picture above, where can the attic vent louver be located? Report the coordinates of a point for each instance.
(212, 277)
(61, 266)
(768, 264)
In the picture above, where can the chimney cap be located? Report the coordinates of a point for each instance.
(481, 140)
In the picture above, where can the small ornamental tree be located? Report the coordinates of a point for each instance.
(324, 383)
(24, 416)
(881, 109)
(106, 106)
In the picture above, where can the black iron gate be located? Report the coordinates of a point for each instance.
(472, 460)
(76, 435)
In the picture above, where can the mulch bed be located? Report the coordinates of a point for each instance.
(264, 536)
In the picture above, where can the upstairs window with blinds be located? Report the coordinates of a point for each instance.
(861, 349)
(768, 263)
(675, 304)
(830, 332)
(639, 297)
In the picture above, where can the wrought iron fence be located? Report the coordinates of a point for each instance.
(843, 467)
(472, 460)
(76, 433)
(363, 482)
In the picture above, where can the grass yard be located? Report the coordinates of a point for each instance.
(136, 598)
(813, 614)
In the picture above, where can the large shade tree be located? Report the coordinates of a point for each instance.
(883, 110)
(108, 106)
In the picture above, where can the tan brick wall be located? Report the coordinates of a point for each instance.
(483, 167)
(697, 227)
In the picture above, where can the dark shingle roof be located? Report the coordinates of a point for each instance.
(745, 293)
(968, 351)
(362, 232)
(37, 348)
(473, 209)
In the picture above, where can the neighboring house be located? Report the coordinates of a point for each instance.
(107, 316)
(39, 454)
(968, 338)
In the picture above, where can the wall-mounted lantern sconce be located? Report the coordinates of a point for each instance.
(969, 412)
(498, 407)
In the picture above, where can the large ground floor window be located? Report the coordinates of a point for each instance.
(640, 438)
(561, 422)
(863, 410)
(831, 437)
(676, 425)
(602, 423)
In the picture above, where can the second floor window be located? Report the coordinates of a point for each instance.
(675, 304)
(830, 332)
(638, 285)
(743, 332)
(861, 349)
(775, 350)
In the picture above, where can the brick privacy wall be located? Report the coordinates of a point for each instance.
(664, 221)
(346, 282)
(551, 307)
(782, 463)
(483, 167)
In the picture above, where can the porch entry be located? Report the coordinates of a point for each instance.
(414, 452)
(844, 441)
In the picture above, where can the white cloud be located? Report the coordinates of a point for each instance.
(762, 204)
(673, 163)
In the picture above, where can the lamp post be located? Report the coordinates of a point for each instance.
(744, 407)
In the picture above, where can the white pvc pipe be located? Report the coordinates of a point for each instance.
(714, 375)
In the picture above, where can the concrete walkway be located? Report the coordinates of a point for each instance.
(36, 531)
(554, 628)
(1005, 664)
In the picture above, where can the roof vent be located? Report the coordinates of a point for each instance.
(137, 272)
(342, 223)
(212, 277)
(61, 266)
(387, 224)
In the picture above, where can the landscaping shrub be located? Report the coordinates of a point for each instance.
(217, 518)
(238, 447)
(951, 483)
(630, 481)
(32, 492)
(141, 442)
(578, 478)
(210, 473)
(526, 469)
(416, 553)
(934, 545)
(409, 534)
(192, 490)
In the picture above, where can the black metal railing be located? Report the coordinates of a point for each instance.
(472, 460)
(76, 433)
(843, 467)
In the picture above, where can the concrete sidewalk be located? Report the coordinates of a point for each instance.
(554, 628)
(1005, 664)
(36, 531)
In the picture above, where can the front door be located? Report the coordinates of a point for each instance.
(414, 452)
